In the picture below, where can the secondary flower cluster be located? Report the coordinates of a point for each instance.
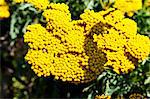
(4, 9)
(77, 50)
(39, 4)
(119, 40)
(129, 6)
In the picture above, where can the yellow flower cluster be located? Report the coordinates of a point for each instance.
(102, 97)
(77, 51)
(62, 49)
(18, 1)
(138, 46)
(136, 96)
(121, 43)
(4, 10)
(128, 6)
(39, 4)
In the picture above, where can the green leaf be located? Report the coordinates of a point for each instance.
(101, 76)
(90, 5)
(109, 91)
(24, 6)
(147, 81)
(90, 96)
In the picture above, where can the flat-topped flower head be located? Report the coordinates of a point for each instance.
(62, 49)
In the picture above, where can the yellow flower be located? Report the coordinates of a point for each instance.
(128, 26)
(2, 2)
(4, 10)
(102, 97)
(77, 51)
(18, 1)
(119, 40)
(39, 4)
(61, 48)
(119, 62)
(130, 14)
(128, 5)
(138, 46)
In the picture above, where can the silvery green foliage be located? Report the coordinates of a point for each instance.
(142, 17)
(24, 15)
(112, 84)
